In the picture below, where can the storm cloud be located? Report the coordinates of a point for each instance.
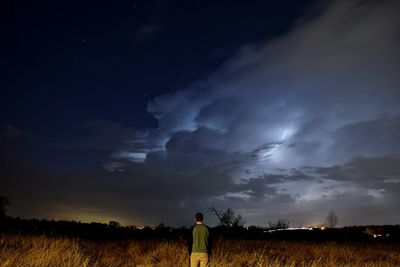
(290, 127)
(322, 95)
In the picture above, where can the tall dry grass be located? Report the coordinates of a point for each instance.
(24, 251)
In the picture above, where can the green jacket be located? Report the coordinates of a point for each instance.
(200, 240)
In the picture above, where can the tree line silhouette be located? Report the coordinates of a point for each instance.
(231, 226)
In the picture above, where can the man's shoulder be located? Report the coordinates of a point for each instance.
(200, 226)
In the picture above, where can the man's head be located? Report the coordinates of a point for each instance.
(199, 217)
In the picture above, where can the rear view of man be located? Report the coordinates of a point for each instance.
(199, 244)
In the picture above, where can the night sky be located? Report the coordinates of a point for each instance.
(147, 111)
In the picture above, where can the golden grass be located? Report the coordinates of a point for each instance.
(24, 251)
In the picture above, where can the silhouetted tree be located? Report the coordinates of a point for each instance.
(227, 218)
(4, 202)
(279, 224)
(114, 224)
(161, 225)
(332, 219)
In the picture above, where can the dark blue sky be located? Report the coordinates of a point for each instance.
(64, 62)
(120, 98)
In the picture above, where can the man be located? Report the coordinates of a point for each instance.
(199, 244)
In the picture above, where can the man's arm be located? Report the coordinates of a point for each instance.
(190, 243)
(210, 241)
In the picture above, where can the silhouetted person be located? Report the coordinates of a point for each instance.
(200, 243)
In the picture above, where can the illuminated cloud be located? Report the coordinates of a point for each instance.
(290, 127)
(307, 98)
(321, 95)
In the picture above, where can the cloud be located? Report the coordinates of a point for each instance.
(290, 127)
(295, 100)
(161, 192)
(321, 95)
(369, 138)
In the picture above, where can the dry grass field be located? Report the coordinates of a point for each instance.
(21, 251)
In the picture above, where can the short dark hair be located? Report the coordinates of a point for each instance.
(199, 217)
